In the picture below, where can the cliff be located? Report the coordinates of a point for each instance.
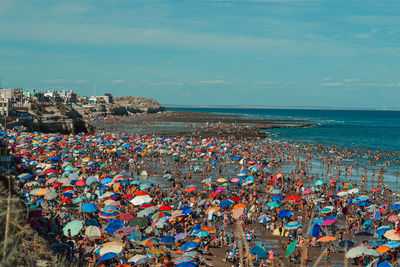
(124, 106)
(59, 118)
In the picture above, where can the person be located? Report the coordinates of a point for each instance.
(327, 258)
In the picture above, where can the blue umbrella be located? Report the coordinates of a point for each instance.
(392, 244)
(383, 229)
(106, 181)
(385, 264)
(113, 226)
(189, 245)
(316, 230)
(396, 206)
(285, 213)
(93, 222)
(226, 203)
(259, 251)
(168, 239)
(277, 198)
(89, 207)
(275, 192)
(107, 256)
(187, 264)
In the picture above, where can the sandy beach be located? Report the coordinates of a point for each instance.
(196, 192)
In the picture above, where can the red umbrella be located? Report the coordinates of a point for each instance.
(80, 183)
(293, 198)
(165, 208)
(235, 199)
(145, 206)
(66, 200)
(67, 189)
(141, 193)
(127, 216)
(191, 189)
(213, 195)
(128, 196)
(56, 185)
(50, 171)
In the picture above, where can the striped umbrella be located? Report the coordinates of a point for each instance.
(292, 225)
(108, 214)
(149, 242)
(125, 230)
(391, 235)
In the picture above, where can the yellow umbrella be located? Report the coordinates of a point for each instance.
(221, 180)
(42, 191)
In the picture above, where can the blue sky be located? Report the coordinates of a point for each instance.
(216, 52)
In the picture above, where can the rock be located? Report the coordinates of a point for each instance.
(59, 118)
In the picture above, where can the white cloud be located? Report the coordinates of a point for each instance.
(116, 81)
(213, 82)
(351, 80)
(332, 84)
(327, 79)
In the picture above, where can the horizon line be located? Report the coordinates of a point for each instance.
(275, 107)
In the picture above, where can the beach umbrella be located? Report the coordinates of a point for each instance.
(146, 212)
(292, 225)
(203, 234)
(108, 214)
(226, 203)
(235, 199)
(149, 242)
(51, 195)
(189, 245)
(326, 209)
(328, 221)
(293, 198)
(275, 192)
(396, 206)
(113, 226)
(277, 198)
(139, 221)
(259, 251)
(391, 235)
(393, 218)
(353, 191)
(74, 226)
(187, 264)
(290, 248)
(139, 200)
(138, 259)
(285, 213)
(264, 219)
(342, 193)
(125, 230)
(306, 192)
(383, 229)
(346, 243)
(42, 192)
(319, 182)
(180, 236)
(168, 239)
(382, 249)
(326, 238)
(92, 231)
(127, 216)
(355, 252)
(89, 207)
(156, 252)
(392, 244)
(371, 252)
(385, 264)
(108, 256)
(273, 204)
(316, 231)
(165, 207)
(184, 258)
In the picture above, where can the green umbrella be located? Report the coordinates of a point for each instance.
(273, 204)
(319, 182)
(290, 249)
(75, 227)
(140, 221)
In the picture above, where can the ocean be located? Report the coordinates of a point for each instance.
(371, 129)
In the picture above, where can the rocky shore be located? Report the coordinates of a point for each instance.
(171, 123)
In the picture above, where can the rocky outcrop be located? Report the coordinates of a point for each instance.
(59, 118)
(124, 106)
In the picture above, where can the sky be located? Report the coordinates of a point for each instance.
(218, 52)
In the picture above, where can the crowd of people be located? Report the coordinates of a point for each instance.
(109, 199)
